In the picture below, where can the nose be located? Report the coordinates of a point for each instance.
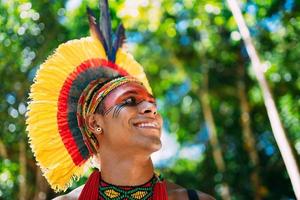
(147, 108)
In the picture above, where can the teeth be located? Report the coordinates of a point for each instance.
(153, 124)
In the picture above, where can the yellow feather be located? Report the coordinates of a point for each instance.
(127, 62)
(69, 172)
(45, 140)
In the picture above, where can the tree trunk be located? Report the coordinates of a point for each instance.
(3, 152)
(248, 136)
(217, 153)
(41, 186)
(277, 128)
(22, 178)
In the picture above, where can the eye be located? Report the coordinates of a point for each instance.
(130, 101)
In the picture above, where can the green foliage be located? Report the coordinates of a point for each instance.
(8, 179)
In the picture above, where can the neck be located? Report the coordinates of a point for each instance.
(126, 170)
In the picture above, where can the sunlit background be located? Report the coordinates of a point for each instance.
(217, 135)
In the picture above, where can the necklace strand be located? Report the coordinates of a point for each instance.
(109, 191)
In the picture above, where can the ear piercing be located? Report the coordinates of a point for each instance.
(99, 130)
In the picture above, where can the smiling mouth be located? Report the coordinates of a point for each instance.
(152, 125)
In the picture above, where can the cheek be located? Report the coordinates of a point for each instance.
(122, 119)
(160, 119)
(125, 115)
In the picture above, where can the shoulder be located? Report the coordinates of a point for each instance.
(73, 195)
(176, 192)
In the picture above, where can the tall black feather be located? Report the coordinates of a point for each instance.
(95, 30)
(105, 26)
(119, 40)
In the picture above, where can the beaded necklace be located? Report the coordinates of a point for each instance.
(97, 189)
(109, 191)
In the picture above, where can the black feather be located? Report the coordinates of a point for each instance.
(105, 25)
(95, 30)
(119, 40)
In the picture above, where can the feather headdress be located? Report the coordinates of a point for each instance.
(54, 133)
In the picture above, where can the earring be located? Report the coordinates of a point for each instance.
(99, 130)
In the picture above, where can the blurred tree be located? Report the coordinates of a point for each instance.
(248, 136)
(274, 118)
(25, 44)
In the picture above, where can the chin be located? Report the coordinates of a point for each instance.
(148, 139)
(154, 145)
(149, 144)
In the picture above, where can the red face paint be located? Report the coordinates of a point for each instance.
(129, 94)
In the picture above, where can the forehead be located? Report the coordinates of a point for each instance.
(127, 88)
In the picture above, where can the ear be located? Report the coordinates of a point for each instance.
(94, 121)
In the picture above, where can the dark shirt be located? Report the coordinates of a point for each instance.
(192, 194)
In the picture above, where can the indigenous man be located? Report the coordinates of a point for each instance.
(92, 99)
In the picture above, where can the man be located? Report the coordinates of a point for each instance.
(92, 99)
(127, 140)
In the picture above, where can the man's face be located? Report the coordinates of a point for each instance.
(130, 121)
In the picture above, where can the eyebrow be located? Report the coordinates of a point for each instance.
(134, 92)
(130, 92)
